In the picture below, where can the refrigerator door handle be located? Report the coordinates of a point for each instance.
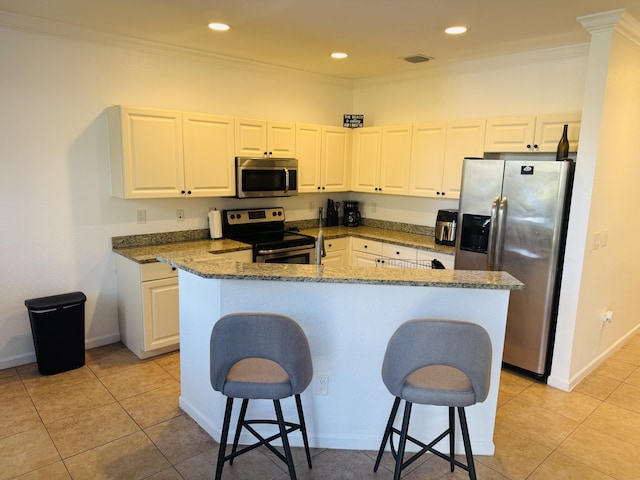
(499, 245)
(493, 226)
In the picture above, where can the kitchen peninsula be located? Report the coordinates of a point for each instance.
(348, 314)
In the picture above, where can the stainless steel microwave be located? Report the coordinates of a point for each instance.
(266, 177)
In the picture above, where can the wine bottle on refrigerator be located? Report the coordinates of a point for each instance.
(563, 145)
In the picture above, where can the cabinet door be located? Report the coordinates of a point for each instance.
(511, 134)
(549, 131)
(208, 155)
(281, 139)
(395, 159)
(250, 137)
(464, 139)
(446, 259)
(366, 159)
(399, 252)
(309, 154)
(146, 152)
(160, 313)
(359, 259)
(427, 159)
(336, 249)
(336, 155)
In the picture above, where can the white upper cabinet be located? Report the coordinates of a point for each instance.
(395, 159)
(367, 143)
(164, 153)
(309, 154)
(427, 159)
(145, 150)
(381, 158)
(261, 138)
(531, 134)
(464, 139)
(209, 165)
(335, 166)
(549, 131)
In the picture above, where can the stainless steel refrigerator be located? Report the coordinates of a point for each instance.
(513, 217)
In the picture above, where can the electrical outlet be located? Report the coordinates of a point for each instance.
(322, 384)
(180, 215)
(142, 216)
(595, 240)
(374, 207)
(604, 238)
(607, 317)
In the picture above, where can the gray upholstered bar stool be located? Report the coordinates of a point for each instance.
(260, 356)
(435, 362)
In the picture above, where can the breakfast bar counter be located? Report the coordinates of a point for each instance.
(348, 314)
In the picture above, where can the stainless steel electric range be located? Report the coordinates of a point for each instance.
(264, 229)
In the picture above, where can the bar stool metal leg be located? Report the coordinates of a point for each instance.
(303, 429)
(236, 439)
(223, 437)
(387, 432)
(285, 440)
(452, 437)
(467, 443)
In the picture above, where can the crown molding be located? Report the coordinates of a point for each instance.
(72, 32)
(613, 20)
(557, 54)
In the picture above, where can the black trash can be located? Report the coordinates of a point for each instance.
(57, 325)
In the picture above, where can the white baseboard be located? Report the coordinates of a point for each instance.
(30, 357)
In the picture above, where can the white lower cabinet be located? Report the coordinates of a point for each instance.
(445, 258)
(368, 253)
(147, 307)
(336, 250)
(364, 253)
(148, 304)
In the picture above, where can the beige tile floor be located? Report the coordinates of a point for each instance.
(118, 418)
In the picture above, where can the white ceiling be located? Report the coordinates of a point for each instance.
(302, 33)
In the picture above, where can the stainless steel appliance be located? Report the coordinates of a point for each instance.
(266, 177)
(446, 226)
(351, 214)
(263, 228)
(513, 217)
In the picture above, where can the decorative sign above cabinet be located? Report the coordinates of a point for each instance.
(353, 120)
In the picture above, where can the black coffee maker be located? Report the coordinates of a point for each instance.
(351, 214)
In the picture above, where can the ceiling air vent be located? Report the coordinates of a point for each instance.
(417, 58)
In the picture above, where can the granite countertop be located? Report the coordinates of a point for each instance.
(162, 244)
(149, 253)
(207, 265)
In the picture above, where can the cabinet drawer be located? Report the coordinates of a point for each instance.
(335, 244)
(398, 251)
(366, 246)
(157, 270)
(446, 259)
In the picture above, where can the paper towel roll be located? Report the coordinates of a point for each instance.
(215, 224)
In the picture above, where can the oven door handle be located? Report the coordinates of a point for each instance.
(284, 250)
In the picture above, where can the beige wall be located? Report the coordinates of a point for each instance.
(603, 279)
(57, 214)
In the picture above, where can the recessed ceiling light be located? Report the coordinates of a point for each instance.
(219, 27)
(455, 30)
(339, 55)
